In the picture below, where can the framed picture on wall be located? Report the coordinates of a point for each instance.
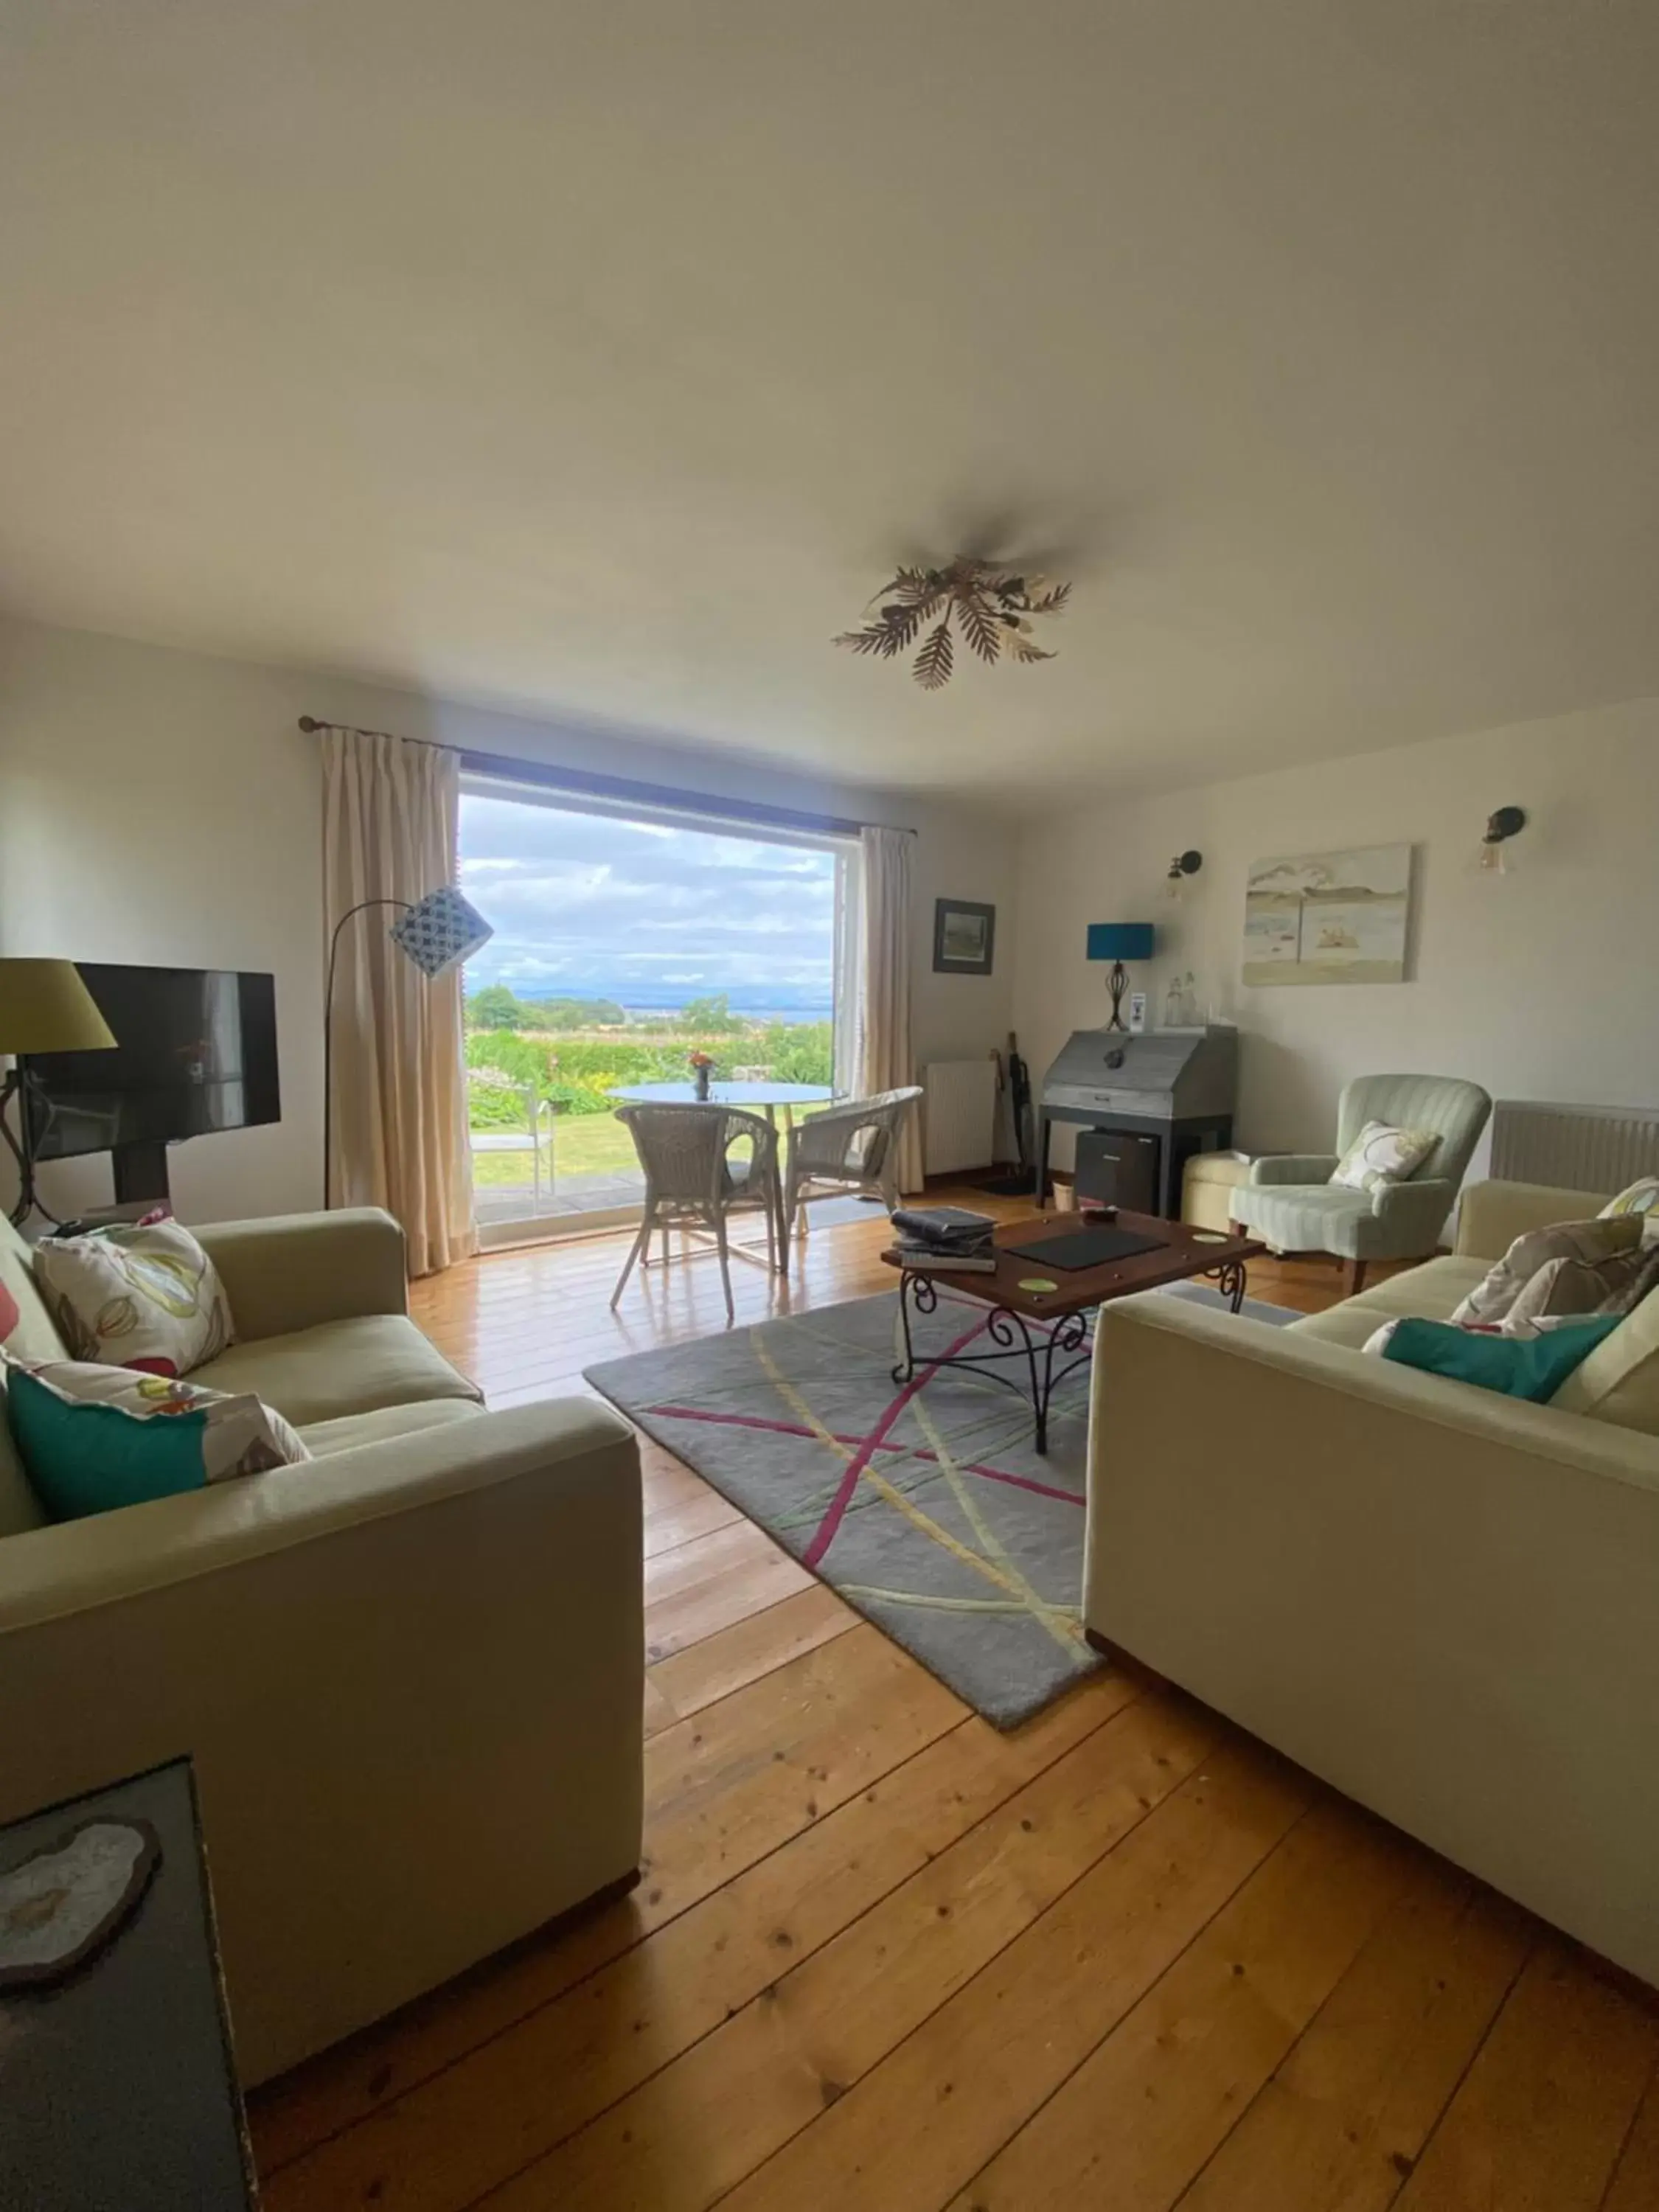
(964, 937)
(1337, 917)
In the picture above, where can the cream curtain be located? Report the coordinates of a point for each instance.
(391, 820)
(887, 1058)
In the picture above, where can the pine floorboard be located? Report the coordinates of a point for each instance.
(884, 1956)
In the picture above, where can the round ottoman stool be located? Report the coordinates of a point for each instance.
(1207, 1188)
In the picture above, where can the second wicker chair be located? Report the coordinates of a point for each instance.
(853, 1147)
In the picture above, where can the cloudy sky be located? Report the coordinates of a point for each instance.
(646, 913)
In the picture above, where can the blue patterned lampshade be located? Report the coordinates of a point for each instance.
(440, 931)
(1120, 940)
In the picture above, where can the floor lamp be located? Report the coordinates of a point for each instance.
(45, 1007)
(438, 933)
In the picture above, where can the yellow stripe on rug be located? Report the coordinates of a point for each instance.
(1001, 1605)
(896, 1497)
(1051, 1617)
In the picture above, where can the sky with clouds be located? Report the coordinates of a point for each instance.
(651, 914)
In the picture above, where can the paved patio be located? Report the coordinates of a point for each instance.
(563, 1194)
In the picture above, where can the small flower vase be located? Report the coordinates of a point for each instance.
(700, 1077)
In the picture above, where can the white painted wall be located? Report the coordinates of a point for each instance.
(1541, 984)
(162, 806)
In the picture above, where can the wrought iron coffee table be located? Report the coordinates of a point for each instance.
(1043, 1336)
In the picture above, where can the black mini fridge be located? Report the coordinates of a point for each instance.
(1114, 1168)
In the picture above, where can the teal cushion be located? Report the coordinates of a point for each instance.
(1532, 1367)
(83, 1459)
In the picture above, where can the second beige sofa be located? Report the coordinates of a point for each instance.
(1444, 1601)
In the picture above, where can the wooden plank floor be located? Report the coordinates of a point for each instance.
(885, 1958)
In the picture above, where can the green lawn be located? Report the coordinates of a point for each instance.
(583, 1143)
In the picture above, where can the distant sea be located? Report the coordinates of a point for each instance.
(787, 1015)
(755, 1002)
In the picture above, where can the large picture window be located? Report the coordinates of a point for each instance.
(623, 944)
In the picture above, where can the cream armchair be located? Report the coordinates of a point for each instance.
(409, 1673)
(1289, 1201)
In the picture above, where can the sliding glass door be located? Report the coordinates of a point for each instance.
(623, 945)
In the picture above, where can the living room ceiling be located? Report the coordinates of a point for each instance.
(600, 361)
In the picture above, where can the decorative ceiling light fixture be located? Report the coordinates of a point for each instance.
(990, 604)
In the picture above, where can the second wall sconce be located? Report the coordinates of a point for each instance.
(1508, 822)
(1182, 865)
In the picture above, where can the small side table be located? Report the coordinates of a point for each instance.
(116, 2083)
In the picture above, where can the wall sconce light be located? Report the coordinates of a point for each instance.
(1508, 822)
(1182, 865)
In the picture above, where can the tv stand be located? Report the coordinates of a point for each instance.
(140, 1175)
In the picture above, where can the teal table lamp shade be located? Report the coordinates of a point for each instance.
(1120, 940)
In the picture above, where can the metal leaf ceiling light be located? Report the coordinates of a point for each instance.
(991, 606)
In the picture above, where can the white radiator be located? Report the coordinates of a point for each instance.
(959, 1114)
(1574, 1147)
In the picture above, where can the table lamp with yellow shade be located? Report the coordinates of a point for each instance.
(45, 1007)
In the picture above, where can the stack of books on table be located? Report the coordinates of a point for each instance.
(945, 1238)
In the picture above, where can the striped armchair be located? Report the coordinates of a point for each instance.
(1290, 1202)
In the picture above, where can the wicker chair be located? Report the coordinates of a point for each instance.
(852, 1146)
(690, 1182)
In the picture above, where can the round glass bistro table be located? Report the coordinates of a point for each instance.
(767, 1097)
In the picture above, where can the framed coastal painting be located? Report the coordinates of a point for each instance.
(964, 937)
(1338, 917)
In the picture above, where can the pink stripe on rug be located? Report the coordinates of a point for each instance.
(832, 1519)
(795, 1428)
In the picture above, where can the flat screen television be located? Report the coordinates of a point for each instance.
(195, 1052)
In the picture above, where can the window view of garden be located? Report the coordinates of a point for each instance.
(621, 950)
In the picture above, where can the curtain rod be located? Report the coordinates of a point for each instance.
(591, 784)
(310, 725)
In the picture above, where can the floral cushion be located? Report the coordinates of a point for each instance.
(92, 1438)
(1642, 1198)
(145, 1296)
(1588, 1243)
(1380, 1154)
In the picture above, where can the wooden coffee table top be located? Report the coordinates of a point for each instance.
(1182, 1252)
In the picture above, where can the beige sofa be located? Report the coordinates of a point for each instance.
(1444, 1601)
(408, 1674)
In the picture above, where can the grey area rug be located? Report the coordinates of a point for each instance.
(924, 1505)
